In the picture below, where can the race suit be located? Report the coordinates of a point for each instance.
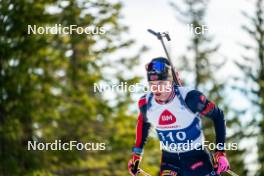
(178, 126)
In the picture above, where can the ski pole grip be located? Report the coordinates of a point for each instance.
(136, 167)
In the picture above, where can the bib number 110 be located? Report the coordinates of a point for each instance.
(181, 136)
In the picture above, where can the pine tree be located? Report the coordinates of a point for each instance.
(22, 100)
(252, 66)
(47, 88)
(192, 13)
(95, 120)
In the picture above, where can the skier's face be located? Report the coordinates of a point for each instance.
(161, 89)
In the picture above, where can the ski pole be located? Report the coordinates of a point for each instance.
(143, 172)
(160, 36)
(231, 173)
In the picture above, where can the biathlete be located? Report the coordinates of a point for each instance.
(175, 112)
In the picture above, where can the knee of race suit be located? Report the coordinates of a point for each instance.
(168, 173)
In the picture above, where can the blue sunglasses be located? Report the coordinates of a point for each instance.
(157, 66)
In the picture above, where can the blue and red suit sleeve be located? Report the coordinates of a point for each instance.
(143, 126)
(197, 102)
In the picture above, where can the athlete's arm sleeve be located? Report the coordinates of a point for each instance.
(197, 102)
(143, 127)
